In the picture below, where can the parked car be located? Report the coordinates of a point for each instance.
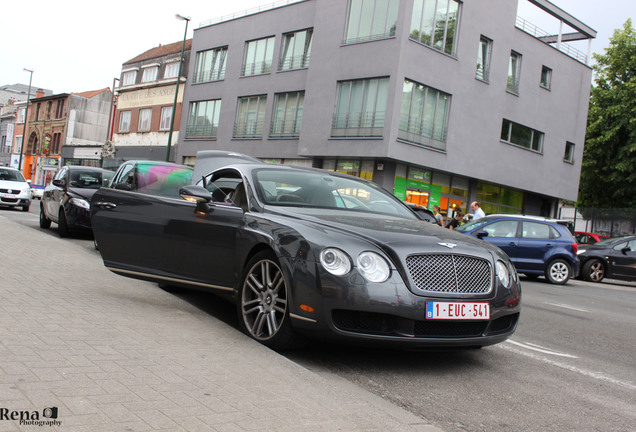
(613, 258)
(66, 201)
(310, 252)
(14, 189)
(422, 213)
(588, 238)
(36, 191)
(537, 246)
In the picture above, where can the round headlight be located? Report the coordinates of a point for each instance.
(503, 274)
(335, 261)
(373, 267)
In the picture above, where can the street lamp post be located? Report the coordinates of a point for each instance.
(26, 119)
(176, 90)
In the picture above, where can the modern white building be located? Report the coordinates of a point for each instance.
(439, 101)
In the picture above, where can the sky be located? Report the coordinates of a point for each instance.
(74, 46)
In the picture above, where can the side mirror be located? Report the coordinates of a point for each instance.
(625, 250)
(199, 195)
(481, 234)
(59, 183)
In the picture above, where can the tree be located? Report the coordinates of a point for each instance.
(608, 174)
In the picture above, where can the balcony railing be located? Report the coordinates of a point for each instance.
(539, 33)
(367, 124)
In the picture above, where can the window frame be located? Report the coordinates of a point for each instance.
(545, 81)
(484, 55)
(514, 72)
(254, 52)
(164, 122)
(206, 112)
(428, 18)
(171, 67)
(204, 74)
(128, 115)
(129, 77)
(358, 10)
(145, 116)
(287, 62)
(364, 122)
(278, 127)
(568, 155)
(509, 136)
(150, 73)
(246, 127)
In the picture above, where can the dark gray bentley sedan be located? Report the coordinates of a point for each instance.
(306, 252)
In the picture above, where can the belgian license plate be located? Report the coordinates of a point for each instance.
(457, 311)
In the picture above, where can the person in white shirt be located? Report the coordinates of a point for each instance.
(478, 213)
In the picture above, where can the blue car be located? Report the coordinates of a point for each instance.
(536, 246)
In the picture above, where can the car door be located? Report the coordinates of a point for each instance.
(623, 260)
(503, 234)
(165, 237)
(536, 245)
(54, 194)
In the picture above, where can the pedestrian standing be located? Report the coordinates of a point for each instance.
(454, 222)
(478, 213)
(438, 216)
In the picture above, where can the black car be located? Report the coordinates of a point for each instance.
(66, 201)
(309, 252)
(614, 258)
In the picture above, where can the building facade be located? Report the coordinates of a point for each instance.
(145, 99)
(439, 101)
(64, 129)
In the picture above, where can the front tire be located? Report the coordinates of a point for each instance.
(263, 303)
(45, 223)
(594, 270)
(558, 272)
(62, 225)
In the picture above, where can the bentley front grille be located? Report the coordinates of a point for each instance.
(448, 273)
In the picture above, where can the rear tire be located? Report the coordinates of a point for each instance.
(594, 270)
(558, 272)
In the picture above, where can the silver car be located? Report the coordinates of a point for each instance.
(14, 189)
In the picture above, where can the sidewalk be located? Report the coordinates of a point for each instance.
(116, 354)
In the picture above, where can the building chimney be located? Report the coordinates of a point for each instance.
(39, 93)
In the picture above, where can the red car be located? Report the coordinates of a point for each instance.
(583, 237)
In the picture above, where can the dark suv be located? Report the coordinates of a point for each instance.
(537, 246)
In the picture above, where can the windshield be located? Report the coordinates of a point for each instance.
(11, 175)
(89, 179)
(473, 225)
(322, 190)
(608, 241)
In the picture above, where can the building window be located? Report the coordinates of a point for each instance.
(434, 23)
(569, 152)
(166, 115)
(145, 117)
(59, 111)
(483, 59)
(424, 115)
(150, 74)
(361, 108)
(129, 78)
(203, 120)
(210, 65)
(288, 114)
(514, 68)
(371, 20)
(49, 109)
(514, 133)
(546, 78)
(172, 70)
(21, 114)
(250, 117)
(124, 121)
(258, 57)
(296, 50)
(498, 199)
(55, 146)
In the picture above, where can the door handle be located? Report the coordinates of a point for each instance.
(105, 204)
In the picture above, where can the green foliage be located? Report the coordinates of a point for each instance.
(608, 176)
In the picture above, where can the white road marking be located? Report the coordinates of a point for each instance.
(564, 306)
(538, 348)
(592, 374)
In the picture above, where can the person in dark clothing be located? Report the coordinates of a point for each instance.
(454, 222)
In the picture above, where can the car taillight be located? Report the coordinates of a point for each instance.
(575, 247)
